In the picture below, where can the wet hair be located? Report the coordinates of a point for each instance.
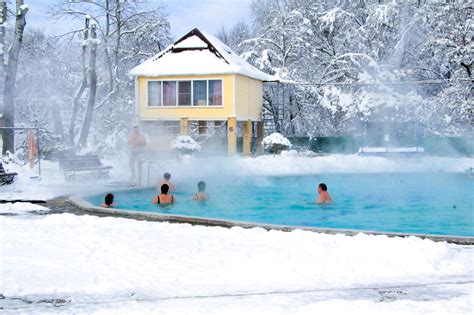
(164, 189)
(167, 176)
(109, 199)
(323, 187)
(201, 186)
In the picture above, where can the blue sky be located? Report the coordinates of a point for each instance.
(184, 15)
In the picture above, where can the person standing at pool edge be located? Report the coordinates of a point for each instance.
(324, 196)
(164, 197)
(137, 143)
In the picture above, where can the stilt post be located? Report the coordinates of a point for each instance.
(260, 132)
(231, 135)
(247, 137)
(184, 126)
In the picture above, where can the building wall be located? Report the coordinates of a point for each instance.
(248, 98)
(192, 112)
(245, 103)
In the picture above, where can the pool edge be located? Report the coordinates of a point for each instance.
(79, 201)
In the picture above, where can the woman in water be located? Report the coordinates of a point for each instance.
(108, 201)
(201, 194)
(164, 198)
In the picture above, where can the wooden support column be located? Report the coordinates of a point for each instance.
(231, 135)
(260, 132)
(184, 126)
(247, 137)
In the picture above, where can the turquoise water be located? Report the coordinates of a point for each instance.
(427, 203)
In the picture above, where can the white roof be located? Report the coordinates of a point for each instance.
(192, 55)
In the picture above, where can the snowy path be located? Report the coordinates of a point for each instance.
(112, 266)
(417, 299)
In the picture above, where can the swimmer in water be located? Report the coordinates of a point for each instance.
(324, 197)
(164, 197)
(166, 180)
(201, 194)
(108, 201)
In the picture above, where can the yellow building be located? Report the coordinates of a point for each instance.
(198, 78)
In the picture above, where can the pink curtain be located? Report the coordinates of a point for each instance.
(169, 93)
(215, 87)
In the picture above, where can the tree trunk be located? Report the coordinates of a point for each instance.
(118, 20)
(80, 91)
(3, 26)
(57, 120)
(10, 77)
(92, 88)
(106, 46)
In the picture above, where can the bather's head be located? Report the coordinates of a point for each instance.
(135, 129)
(201, 186)
(167, 176)
(109, 199)
(164, 189)
(322, 187)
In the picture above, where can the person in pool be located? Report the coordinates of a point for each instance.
(164, 198)
(166, 180)
(108, 201)
(201, 194)
(324, 196)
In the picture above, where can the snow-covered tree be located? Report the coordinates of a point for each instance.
(347, 61)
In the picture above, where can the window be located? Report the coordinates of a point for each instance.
(169, 93)
(200, 93)
(154, 93)
(184, 93)
(215, 92)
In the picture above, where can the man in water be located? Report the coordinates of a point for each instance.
(324, 196)
(137, 143)
(166, 180)
(201, 194)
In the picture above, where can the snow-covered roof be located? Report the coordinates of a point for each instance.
(198, 53)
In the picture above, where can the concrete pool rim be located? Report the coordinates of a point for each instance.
(79, 201)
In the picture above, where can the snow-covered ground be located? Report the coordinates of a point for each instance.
(113, 265)
(87, 264)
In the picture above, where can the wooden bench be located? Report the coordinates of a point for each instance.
(6, 178)
(83, 165)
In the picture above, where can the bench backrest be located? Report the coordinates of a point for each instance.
(82, 161)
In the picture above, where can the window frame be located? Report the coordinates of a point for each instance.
(192, 93)
(148, 94)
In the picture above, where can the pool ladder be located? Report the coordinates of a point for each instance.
(149, 165)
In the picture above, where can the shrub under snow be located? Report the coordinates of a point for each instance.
(185, 145)
(276, 142)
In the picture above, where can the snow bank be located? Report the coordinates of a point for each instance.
(85, 258)
(20, 207)
(68, 254)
